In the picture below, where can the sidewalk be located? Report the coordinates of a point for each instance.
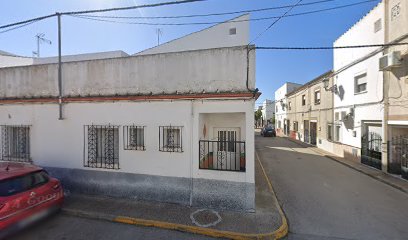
(388, 179)
(268, 221)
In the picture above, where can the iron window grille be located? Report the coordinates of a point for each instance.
(303, 100)
(133, 138)
(170, 139)
(15, 143)
(101, 146)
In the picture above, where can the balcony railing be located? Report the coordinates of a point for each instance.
(222, 155)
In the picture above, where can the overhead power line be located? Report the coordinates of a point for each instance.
(133, 7)
(101, 19)
(32, 20)
(209, 14)
(276, 21)
(29, 21)
(330, 48)
(19, 26)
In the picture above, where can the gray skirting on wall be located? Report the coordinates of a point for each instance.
(206, 193)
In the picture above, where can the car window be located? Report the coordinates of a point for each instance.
(16, 185)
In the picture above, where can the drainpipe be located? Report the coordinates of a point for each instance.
(386, 86)
(59, 68)
(191, 153)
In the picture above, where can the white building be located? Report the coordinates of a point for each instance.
(281, 106)
(358, 102)
(268, 111)
(10, 60)
(171, 126)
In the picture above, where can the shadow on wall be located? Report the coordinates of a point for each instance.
(349, 122)
(341, 92)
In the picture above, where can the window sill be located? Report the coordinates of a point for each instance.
(358, 93)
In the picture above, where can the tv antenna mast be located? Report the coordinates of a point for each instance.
(159, 32)
(40, 39)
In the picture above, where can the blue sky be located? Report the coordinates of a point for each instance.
(273, 68)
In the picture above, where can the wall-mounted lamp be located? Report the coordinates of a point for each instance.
(327, 88)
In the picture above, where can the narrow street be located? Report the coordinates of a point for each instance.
(323, 199)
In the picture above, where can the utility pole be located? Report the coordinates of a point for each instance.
(59, 68)
(159, 32)
(40, 39)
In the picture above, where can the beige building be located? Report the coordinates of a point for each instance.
(310, 112)
(395, 73)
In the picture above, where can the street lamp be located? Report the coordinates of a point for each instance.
(332, 89)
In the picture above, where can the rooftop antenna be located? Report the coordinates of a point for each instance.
(159, 32)
(40, 39)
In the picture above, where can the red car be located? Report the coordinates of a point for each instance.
(27, 194)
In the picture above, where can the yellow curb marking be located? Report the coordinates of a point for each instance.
(282, 231)
(277, 234)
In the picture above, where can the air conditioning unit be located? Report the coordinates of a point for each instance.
(390, 60)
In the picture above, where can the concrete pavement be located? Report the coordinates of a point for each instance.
(324, 199)
(62, 227)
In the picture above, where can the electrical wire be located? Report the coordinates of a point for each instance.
(17, 27)
(32, 20)
(276, 21)
(211, 14)
(132, 7)
(331, 48)
(101, 19)
(27, 21)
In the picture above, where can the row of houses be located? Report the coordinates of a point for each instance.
(173, 123)
(358, 110)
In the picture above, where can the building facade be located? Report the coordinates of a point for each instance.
(170, 126)
(395, 157)
(358, 102)
(268, 112)
(310, 112)
(281, 124)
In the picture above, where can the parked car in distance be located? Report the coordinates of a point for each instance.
(27, 194)
(268, 131)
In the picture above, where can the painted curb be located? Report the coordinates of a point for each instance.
(281, 232)
(352, 167)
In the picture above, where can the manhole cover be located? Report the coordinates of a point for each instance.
(205, 218)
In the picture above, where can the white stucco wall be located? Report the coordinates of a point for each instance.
(268, 109)
(362, 33)
(223, 70)
(60, 143)
(367, 105)
(216, 36)
(281, 107)
(81, 57)
(11, 61)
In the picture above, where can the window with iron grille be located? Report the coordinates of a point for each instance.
(227, 141)
(15, 143)
(101, 146)
(303, 100)
(133, 138)
(170, 139)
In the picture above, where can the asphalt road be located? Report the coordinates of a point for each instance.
(323, 199)
(63, 227)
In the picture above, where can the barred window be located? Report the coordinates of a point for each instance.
(133, 137)
(15, 143)
(170, 139)
(101, 146)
